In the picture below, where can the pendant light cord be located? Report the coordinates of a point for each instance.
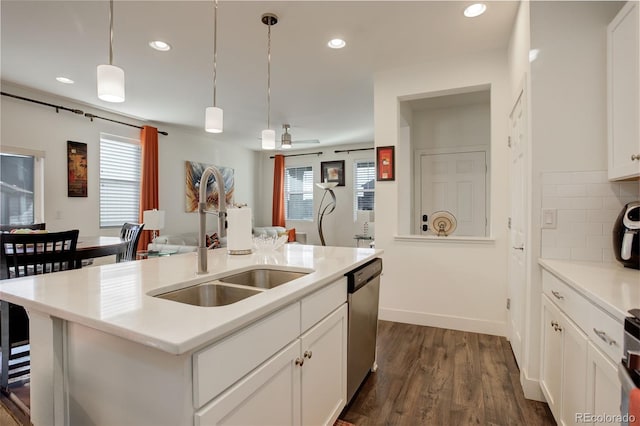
(269, 77)
(215, 48)
(111, 32)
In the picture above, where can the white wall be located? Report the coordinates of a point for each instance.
(459, 285)
(338, 227)
(37, 127)
(464, 125)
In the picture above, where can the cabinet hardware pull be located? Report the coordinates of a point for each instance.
(518, 248)
(554, 324)
(307, 354)
(557, 294)
(603, 335)
(558, 328)
(635, 157)
(299, 362)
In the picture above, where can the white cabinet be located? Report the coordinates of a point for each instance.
(623, 87)
(577, 374)
(305, 383)
(564, 363)
(603, 385)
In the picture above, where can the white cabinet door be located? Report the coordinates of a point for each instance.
(623, 98)
(574, 365)
(324, 372)
(270, 395)
(603, 385)
(551, 367)
(564, 362)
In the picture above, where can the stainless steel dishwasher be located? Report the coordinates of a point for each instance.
(363, 296)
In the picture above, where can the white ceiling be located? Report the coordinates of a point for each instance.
(323, 93)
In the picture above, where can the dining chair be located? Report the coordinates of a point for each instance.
(130, 232)
(27, 254)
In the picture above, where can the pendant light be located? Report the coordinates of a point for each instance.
(269, 135)
(110, 77)
(213, 115)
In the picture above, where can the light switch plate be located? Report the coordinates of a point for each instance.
(549, 218)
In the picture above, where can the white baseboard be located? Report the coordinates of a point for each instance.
(531, 387)
(473, 325)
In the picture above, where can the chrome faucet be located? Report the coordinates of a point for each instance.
(202, 211)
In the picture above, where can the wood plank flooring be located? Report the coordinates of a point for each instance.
(433, 376)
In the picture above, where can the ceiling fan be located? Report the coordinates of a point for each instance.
(286, 138)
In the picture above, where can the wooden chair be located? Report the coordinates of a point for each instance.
(27, 254)
(130, 232)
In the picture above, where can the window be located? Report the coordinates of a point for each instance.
(21, 186)
(364, 176)
(298, 193)
(119, 180)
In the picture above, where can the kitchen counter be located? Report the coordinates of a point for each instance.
(614, 288)
(117, 299)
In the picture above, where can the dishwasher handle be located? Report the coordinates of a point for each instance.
(362, 275)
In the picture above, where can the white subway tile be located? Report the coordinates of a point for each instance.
(590, 177)
(554, 178)
(556, 253)
(549, 190)
(608, 256)
(585, 228)
(630, 189)
(586, 254)
(599, 241)
(549, 238)
(566, 217)
(603, 216)
(590, 203)
(612, 203)
(573, 190)
(603, 189)
(567, 239)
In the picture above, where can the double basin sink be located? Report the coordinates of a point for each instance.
(232, 288)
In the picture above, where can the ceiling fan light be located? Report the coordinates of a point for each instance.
(286, 145)
(110, 83)
(213, 120)
(268, 139)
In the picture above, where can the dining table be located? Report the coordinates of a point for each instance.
(97, 246)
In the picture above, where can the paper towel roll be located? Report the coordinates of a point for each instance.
(239, 239)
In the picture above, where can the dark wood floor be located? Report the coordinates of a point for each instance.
(433, 376)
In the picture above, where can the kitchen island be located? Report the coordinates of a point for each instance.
(104, 350)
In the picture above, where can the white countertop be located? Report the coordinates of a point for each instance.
(611, 286)
(115, 298)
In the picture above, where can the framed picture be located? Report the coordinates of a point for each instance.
(193, 174)
(385, 163)
(332, 171)
(76, 169)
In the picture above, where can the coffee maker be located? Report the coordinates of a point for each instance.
(626, 236)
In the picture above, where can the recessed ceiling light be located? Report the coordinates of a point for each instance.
(160, 45)
(336, 43)
(474, 10)
(65, 80)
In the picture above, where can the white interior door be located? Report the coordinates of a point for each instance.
(455, 182)
(518, 223)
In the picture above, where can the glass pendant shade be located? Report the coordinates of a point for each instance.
(213, 120)
(268, 139)
(110, 83)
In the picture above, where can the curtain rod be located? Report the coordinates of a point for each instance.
(75, 111)
(319, 153)
(352, 150)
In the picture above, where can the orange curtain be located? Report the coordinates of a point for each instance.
(277, 211)
(148, 178)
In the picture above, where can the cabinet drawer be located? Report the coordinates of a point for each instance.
(321, 303)
(219, 366)
(606, 333)
(572, 303)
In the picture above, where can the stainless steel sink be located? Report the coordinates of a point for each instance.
(262, 278)
(209, 294)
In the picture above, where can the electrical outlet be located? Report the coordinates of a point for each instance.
(549, 218)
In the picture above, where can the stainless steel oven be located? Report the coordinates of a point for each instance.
(629, 368)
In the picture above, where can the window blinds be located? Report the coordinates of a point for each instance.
(298, 193)
(364, 184)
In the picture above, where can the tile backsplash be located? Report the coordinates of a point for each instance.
(587, 205)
